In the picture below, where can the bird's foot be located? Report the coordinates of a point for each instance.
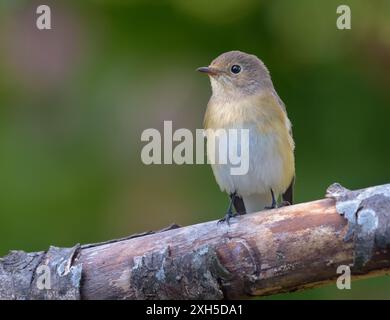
(229, 214)
(227, 217)
(280, 205)
(284, 203)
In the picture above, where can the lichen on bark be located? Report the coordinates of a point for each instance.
(194, 275)
(368, 215)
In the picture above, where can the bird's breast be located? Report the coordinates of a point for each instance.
(263, 109)
(271, 160)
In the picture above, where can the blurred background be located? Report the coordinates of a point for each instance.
(74, 101)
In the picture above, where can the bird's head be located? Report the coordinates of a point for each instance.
(236, 74)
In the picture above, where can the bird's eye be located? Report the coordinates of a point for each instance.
(235, 69)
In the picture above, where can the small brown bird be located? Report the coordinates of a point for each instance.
(243, 97)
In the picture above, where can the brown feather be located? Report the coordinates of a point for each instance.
(288, 195)
(239, 205)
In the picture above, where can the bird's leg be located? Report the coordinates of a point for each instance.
(274, 204)
(229, 213)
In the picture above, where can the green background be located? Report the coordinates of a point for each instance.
(74, 101)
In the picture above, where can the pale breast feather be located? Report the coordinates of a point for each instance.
(271, 146)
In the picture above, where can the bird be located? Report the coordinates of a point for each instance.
(243, 97)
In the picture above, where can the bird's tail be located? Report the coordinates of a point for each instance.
(257, 202)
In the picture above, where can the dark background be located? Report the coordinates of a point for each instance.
(74, 101)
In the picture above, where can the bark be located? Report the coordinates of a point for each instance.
(274, 251)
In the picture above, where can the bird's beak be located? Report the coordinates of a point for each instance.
(209, 70)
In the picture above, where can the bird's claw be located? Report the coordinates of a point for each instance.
(227, 218)
(280, 205)
(284, 203)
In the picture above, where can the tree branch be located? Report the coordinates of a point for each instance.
(264, 253)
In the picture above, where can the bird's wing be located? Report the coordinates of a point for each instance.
(288, 195)
(281, 103)
(283, 106)
(239, 205)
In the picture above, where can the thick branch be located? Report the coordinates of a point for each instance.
(270, 252)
